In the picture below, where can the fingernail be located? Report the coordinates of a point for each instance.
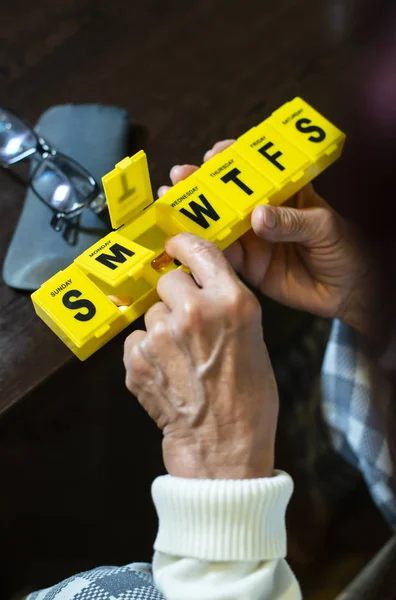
(162, 190)
(269, 217)
(208, 155)
(174, 170)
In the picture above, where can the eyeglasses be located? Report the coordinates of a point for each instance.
(64, 185)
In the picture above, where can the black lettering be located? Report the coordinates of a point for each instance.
(233, 176)
(199, 211)
(75, 304)
(181, 198)
(117, 257)
(272, 157)
(99, 249)
(293, 116)
(61, 287)
(127, 190)
(301, 125)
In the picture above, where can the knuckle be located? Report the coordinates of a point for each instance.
(154, 311)
(327, 223)
(207, 250)
(292, 221)
(138, 369)
(131, 384)
(190, 318)
(130, 345)
(135, 363)
(164, 280)
(242, 304)
(159, 334)
(252, 307)
(328, 218)
(235, 299)
(134, 373)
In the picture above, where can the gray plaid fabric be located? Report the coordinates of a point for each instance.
(131, 582)
(313, 461)
(356, 404)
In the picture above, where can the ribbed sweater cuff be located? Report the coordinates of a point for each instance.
(222, 520)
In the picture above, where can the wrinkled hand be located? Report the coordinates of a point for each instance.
(303, 255)
(202, 371)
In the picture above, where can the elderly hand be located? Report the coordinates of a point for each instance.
(202, 371)
(305, 256)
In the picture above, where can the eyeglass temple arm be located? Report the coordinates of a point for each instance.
(98, 204)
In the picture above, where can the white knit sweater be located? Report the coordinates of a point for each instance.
(222, 539)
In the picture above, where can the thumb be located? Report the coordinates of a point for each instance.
(284, 224)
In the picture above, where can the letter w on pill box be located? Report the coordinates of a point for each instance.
(114, 282)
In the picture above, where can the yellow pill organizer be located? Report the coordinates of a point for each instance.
(266, 165)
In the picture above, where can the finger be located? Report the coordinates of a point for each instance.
(217, 148)
(250, 256)
(133, 340)
(206, 262)
(137, 369)
(308, 198)
(283, 224)
(175, 288)
(162, 190)
(158, 312)
(257, 256)
(177, 173)
(234, 255)
(180, 172)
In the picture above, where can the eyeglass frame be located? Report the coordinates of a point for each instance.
(96, 200)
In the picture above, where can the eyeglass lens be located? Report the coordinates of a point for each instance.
(16, 139)
(62, 184)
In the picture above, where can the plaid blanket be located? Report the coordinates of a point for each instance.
(356, 405)
(130, 582)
